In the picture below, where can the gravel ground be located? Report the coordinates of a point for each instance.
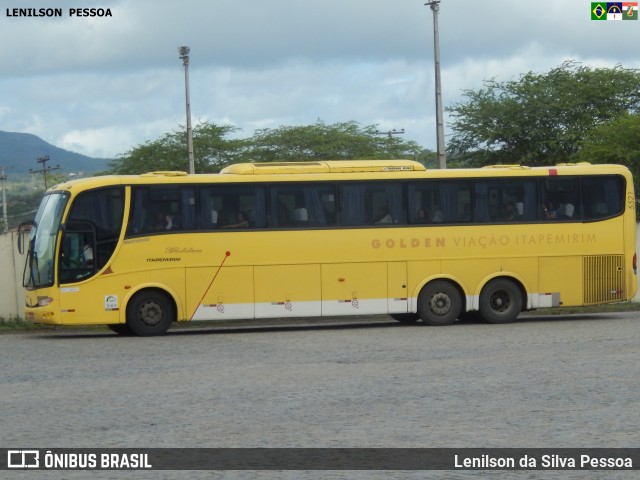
(568, 381)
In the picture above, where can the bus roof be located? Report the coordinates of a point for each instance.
(338, 170)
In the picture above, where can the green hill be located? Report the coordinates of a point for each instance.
(20, 151)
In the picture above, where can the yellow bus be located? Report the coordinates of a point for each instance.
(329, 238)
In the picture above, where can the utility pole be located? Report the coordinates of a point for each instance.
(184, 56)
(442, 161)
(44, 169)
(5, 219)
(390, 133)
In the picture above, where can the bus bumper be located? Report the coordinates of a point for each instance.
(42, 309)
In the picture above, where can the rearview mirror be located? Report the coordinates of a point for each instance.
(23, 231)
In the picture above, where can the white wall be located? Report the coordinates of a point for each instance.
(11, 266)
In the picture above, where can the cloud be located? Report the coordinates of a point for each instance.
(103, 85)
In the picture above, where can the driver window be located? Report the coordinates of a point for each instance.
(77, 255)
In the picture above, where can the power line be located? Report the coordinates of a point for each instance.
(45, 169)
(390, 133)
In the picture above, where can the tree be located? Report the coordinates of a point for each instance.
(340, 141)
(540, 118)
(614, 142)
(212, 152)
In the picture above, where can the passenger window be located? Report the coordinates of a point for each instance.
(162, 208)
(232, 207)
(602, 196)
(371, 204)
(440, 202)
(301, 206)
(506, 200)
(560, 199)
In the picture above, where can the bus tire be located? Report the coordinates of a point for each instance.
(405, 317)
(500, 301)
(439, 303)
(150, 313)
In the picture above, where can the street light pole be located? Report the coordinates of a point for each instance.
(442, 161)
(184, 56)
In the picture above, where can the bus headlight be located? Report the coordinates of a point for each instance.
(44, 301)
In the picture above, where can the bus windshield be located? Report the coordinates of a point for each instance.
(40, 266)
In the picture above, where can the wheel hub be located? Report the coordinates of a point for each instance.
(440, 304)
(500, 301)
(151, 313)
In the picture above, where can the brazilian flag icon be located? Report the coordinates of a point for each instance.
(598, 10)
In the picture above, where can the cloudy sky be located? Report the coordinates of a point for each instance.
(101, 86)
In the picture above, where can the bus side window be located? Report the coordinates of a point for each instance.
(302, 206)
(384, 204)
(160, 208)
(439, 201)
(603, 196)
(352, 204)
(508, 199)
(371, 203)
(221, 205)
(561, 199)
(210, 209)
(186, 216)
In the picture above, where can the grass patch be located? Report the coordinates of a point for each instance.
(13, 325)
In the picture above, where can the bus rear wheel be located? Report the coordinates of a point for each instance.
(500, 301)
(150, 313)
(439, 303)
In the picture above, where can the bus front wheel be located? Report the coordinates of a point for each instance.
(500, 301)
(439, 303)
(149, 313)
